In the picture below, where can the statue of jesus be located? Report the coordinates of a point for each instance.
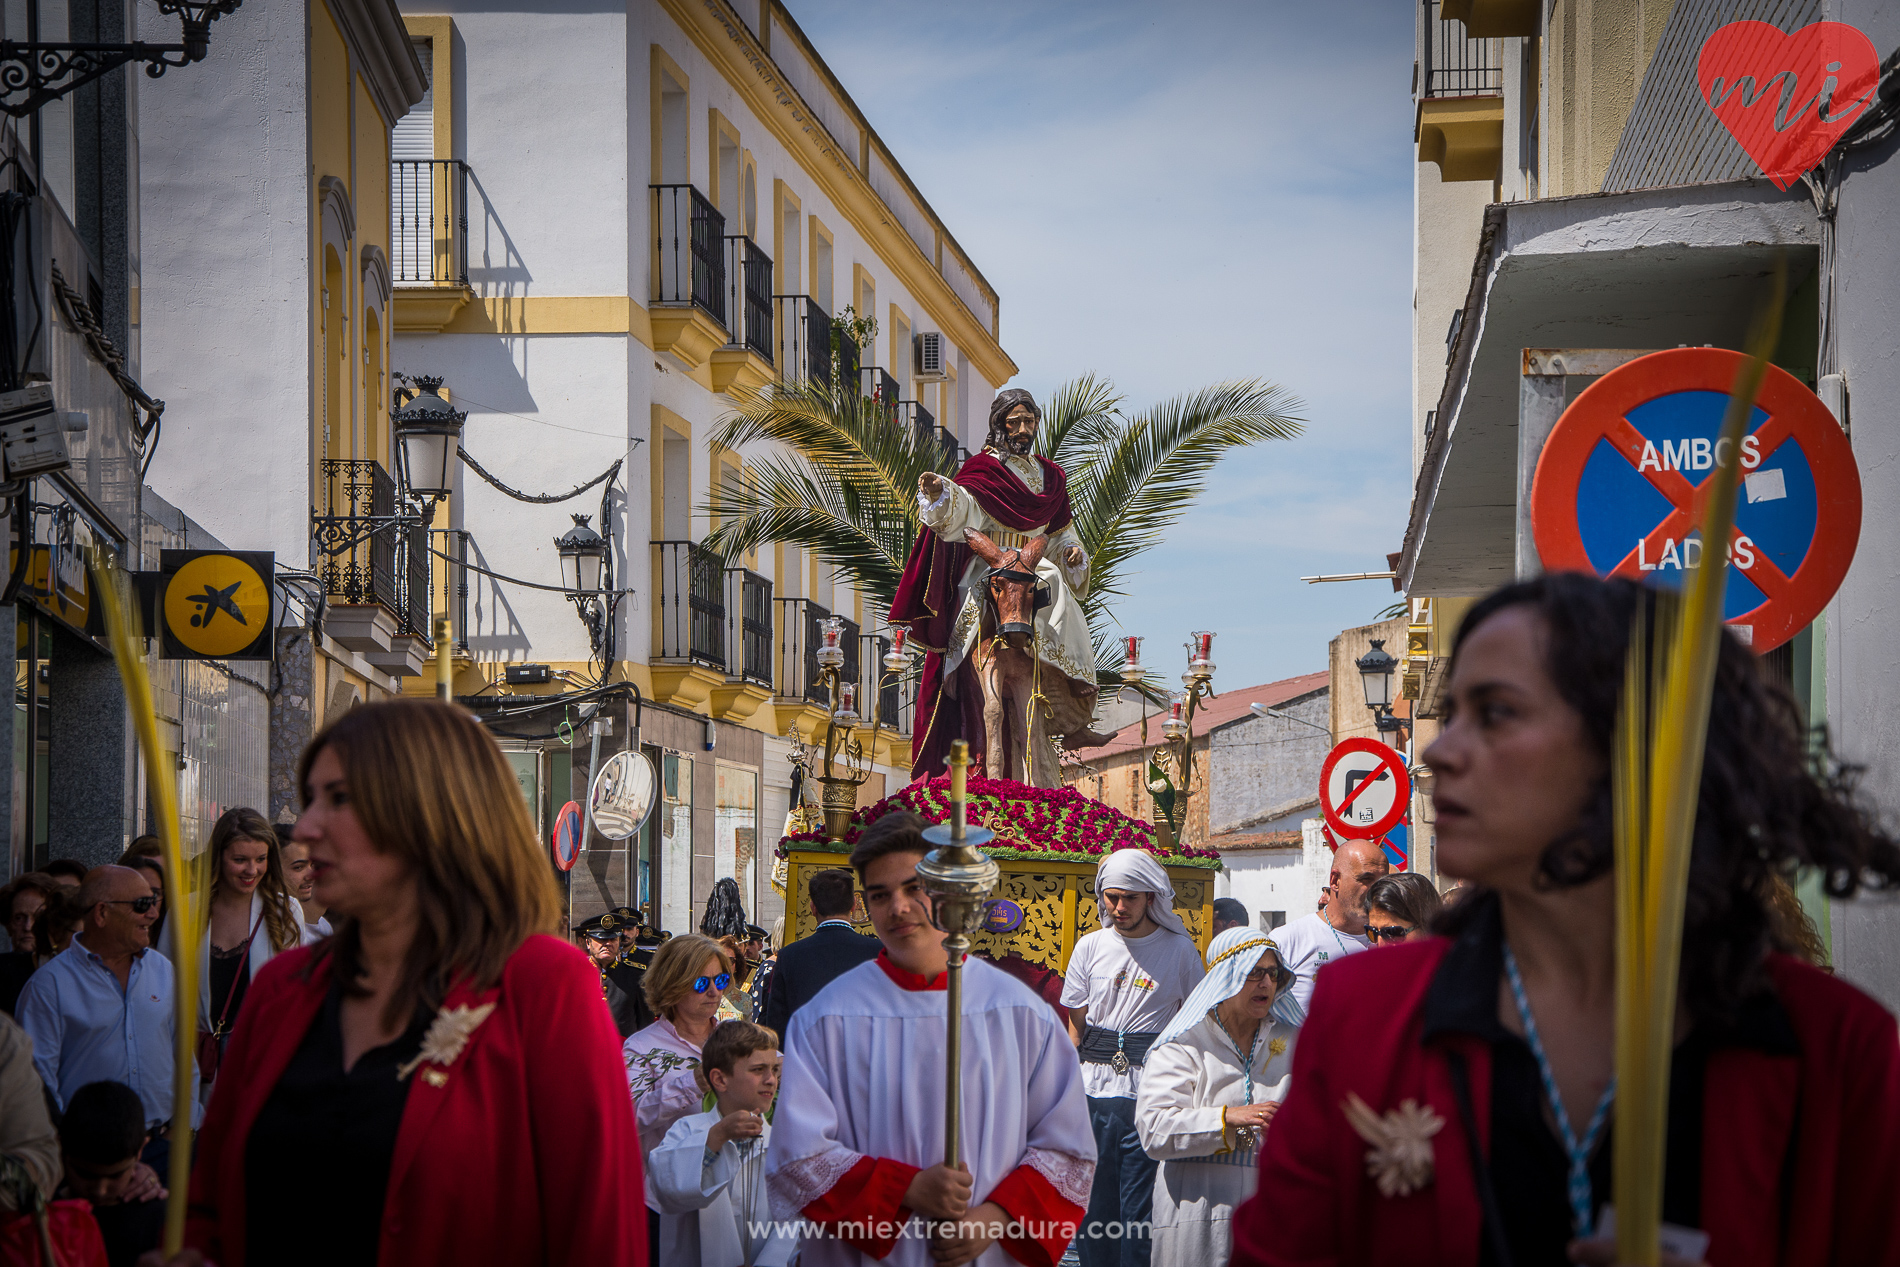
(1005, 685)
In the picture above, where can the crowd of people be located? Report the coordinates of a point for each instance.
(398, 1064)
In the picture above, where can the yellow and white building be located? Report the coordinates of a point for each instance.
(267, 309)
(608, 221)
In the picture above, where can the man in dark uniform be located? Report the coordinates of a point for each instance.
(620, 976)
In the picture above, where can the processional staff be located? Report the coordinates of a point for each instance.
(958, 879)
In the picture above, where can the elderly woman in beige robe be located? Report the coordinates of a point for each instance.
(1213, 1080)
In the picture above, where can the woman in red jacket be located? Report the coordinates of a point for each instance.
(1450, 1098)
(439, 1082)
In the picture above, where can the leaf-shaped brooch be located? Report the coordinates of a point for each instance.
(445, 1039)
(1400, 1159)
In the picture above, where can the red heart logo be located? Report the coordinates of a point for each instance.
(1787, 98)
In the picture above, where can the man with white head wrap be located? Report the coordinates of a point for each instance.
(1212, 1084)
(1124, 982)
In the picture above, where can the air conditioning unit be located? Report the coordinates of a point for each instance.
(930, 356)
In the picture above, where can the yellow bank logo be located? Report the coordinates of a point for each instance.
(217, 605)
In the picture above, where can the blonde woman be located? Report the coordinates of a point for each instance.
(253, 919)
(686, 986)
(1212, 1083)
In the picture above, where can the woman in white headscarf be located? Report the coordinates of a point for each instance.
(1213, 1080)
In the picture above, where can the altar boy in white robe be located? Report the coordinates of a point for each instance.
(709, 1172)
(857, 1146)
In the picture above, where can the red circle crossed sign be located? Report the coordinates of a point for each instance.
(1346, 789)
(567, 836)
(1622, 481)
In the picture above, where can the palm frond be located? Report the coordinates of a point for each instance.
(1134, 478)
(847, 492)
(1078, 407)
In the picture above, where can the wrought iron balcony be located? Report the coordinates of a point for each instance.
(923, 424)
(749, 295)
(749, 625)
(691, 245)
(804, 340)
(428, 214)
(873, 685)
(798, 641)
(849, 354)
(1451, 63)
(690, 581)
(373, 550)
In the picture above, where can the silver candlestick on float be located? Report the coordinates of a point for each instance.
(958, 879)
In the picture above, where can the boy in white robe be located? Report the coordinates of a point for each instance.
(858, 1142)
(709, 1172)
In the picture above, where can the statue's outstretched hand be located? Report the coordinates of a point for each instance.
(1073, 556)
(930, 484)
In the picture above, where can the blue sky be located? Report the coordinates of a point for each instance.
(1170, 195)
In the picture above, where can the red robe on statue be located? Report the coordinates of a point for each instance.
(926, 601)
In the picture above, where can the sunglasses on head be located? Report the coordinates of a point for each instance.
(139, 904)
(720, 982)
(1391, 932)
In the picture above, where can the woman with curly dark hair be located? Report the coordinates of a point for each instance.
(1450, 1099)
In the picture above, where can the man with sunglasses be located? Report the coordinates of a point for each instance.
(1311, 942)
(102, 1009)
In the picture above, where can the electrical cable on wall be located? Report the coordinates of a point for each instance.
(538, 498)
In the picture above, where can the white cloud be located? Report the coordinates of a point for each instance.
(1170, 195)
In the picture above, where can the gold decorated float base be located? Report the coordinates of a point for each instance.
(1058, 901)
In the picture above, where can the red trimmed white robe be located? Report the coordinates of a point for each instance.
(860, 1112)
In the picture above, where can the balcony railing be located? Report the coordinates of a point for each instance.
(804, 340)
(798, 641)
(428, 215)
(907, 704)
(453, 589)
(749, 295)
(877, 384)
(691, 244)
(872, 686)
(692, 598)
(852, 672)
(1452, 64)
(749, 625)
(849, 354)
(923, 424)
(368, 557)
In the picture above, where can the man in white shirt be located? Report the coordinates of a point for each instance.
(1125, 981)
(1339, 929)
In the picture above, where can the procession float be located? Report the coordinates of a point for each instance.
(992, 596)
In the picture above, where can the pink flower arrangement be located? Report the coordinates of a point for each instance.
(1027, 820)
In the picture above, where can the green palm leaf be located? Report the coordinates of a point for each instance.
(847, 489)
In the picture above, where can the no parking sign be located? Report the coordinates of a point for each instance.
(1621, 483)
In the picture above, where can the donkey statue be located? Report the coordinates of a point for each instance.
(1025, 702)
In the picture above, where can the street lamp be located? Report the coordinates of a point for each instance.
(428, 433)
(583, 558)
(583, 562)
(1377, 668)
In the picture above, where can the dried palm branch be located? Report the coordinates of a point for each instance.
(1656, 783)
(187, 878)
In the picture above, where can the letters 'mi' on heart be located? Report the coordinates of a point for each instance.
(1787, 98)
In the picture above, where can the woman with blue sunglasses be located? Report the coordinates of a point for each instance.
(685, 986)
